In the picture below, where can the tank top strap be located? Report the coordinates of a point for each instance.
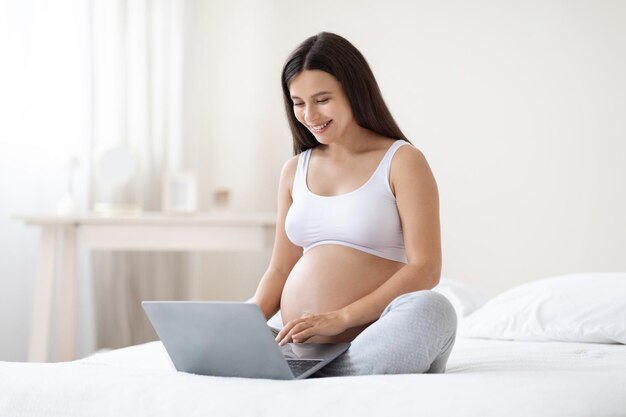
(386, 162)
(299, 180)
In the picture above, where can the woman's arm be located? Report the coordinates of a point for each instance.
(417, 198)
(418, 205)
(284, 255)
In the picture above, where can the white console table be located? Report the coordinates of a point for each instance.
(63, 237)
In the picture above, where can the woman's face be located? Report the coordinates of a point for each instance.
(320, 104)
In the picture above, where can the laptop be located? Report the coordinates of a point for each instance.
(232, 339)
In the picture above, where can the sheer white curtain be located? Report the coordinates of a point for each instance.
(44, 120)
(137, 93)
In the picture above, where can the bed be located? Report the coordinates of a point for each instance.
(505, 374)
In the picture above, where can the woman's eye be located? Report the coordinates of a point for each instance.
(324, 100)
(298, 104)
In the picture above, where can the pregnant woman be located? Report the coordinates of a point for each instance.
(357, 246)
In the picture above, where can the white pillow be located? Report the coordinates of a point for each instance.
(464, 298)
(587, 307)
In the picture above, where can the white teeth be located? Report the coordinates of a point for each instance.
(320, 127)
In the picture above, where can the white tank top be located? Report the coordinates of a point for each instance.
(366, 219)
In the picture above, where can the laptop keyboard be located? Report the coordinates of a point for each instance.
(300, 366)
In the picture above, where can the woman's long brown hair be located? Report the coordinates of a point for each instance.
(335, 55)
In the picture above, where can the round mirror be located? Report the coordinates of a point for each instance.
(116, 166)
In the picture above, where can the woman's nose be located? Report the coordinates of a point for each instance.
(310, 114)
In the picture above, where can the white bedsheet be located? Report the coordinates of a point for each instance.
(484, 378)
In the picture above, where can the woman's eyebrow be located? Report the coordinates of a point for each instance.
(315, 95)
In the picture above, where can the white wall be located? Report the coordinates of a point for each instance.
(518, 106)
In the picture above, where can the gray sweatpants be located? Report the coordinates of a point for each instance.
(414, 334)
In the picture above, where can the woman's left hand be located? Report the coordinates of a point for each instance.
(309, 325)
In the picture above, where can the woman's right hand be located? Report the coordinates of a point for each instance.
(309, 325)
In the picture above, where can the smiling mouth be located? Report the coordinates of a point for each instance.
(320, 128)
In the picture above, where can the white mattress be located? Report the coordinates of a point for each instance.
(484, 378)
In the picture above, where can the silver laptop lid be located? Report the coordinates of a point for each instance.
(214, 338)
(227, 339)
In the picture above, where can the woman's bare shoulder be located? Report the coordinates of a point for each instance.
(409, 164)
(288, 172)
(409, 156)
(290, 165)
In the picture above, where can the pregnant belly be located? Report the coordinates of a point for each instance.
(330, 277)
